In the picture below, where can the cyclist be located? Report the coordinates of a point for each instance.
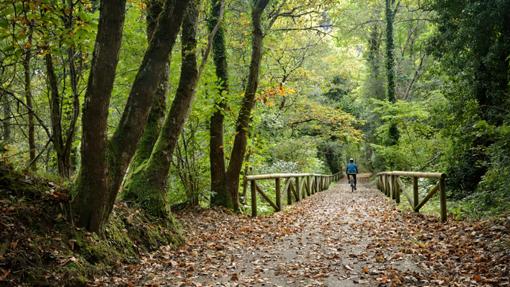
(351, 171)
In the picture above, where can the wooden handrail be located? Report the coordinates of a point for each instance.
(282, 175)
(390, 184)
(414, 174)
(297, 186)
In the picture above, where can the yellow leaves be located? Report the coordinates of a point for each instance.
(325, 119)
(269, 95)
(140, 4)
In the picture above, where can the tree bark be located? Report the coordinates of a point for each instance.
(220, 195)
(74, 79)
(92, 182)
(390, 66)
(151, 180)
(28, 98)
(56, 118)
(244, 117)
(134, 118)
(157, 113)
(374, 61)
(6, 121)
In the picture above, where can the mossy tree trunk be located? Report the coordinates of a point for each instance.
(150, 180)
(157, 113)
(390, 65)
(95, 200)
(244, 117)
(374, 61)
(134, 118)
(220, 195)
(92, 181)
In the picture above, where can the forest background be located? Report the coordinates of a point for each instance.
(397, 85)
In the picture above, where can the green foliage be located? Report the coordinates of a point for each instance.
(472, 41)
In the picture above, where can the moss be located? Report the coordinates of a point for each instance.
(142, 192)
(41, 246)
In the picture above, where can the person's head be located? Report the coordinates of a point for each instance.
(351, 160)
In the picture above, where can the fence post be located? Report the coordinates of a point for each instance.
(308, 186)
(253, 198)
(289, 191)
(397, 189)
(278, 194)
(386, 185)
(442, 197)
(390, 186)
(245, 188)
(296, 185)
(415, 192)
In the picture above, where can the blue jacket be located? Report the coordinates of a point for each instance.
(351, 168)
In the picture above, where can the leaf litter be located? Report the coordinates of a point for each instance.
(334, 238)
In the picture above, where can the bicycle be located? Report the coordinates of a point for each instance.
(352, 182)
(353, 185)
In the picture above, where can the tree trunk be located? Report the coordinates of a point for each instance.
(134, 118)
(220, 195)
(92, 181)
(390, 66)
(74, 78)
(56, 118)
(28, 98)
(151, 180)
(244, 117)
(374, 61)
(6, 121)
(157, 113)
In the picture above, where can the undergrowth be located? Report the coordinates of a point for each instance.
(40, 245)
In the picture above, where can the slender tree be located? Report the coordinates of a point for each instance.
(244, 117)
(390, 64)
(29, 99)
(56, 117)
(216, 145)
(6, 121)
(376, 80)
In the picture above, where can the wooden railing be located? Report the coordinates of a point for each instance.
(295, 185)
(391, 185)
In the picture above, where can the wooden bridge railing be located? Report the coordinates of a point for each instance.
(295, 185)
(391, 185)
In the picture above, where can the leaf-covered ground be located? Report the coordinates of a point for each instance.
(334, 238)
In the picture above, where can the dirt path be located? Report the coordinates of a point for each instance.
(334, 238)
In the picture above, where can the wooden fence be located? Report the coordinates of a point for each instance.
(295, 186)
(391, 185)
